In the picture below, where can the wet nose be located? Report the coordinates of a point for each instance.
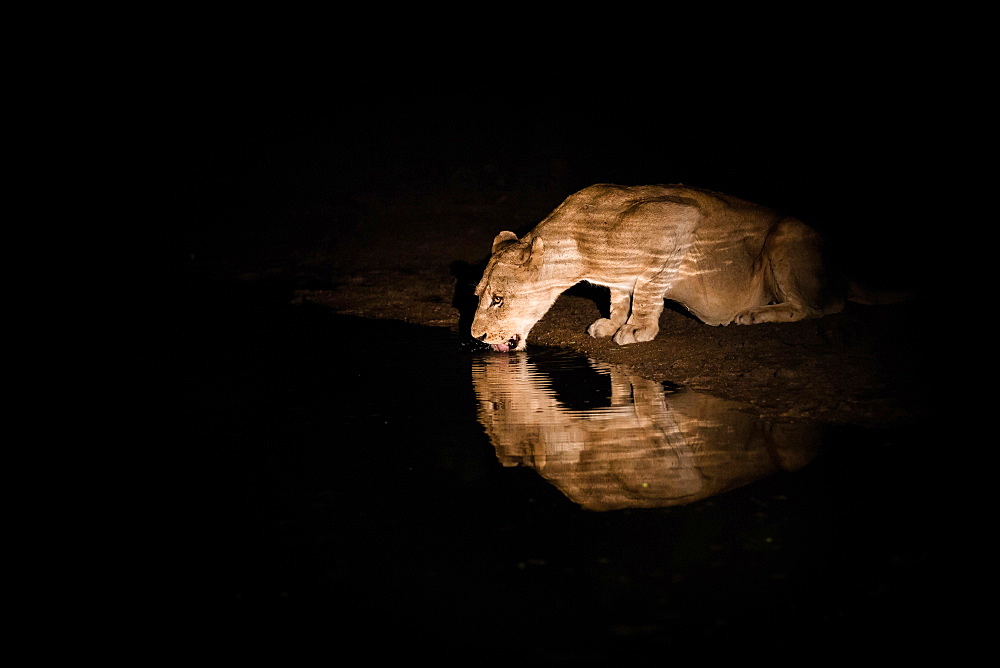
(481, 338)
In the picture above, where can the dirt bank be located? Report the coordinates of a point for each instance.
(851, 368)
(413, 257)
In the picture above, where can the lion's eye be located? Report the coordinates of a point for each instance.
(497, 300)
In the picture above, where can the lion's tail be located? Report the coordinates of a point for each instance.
(862, 294)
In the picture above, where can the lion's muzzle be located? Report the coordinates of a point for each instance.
(507, 346)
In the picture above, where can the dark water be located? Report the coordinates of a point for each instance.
(377, 486)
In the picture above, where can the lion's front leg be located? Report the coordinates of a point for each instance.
(638, 330)
(620, 303)
(644, 322)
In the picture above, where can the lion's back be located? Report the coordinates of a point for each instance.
(635, 217)
(612, 234)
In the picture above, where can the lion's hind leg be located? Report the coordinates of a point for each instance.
(783, 312)
(795, 277)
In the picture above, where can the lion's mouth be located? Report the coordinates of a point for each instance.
(511, 344)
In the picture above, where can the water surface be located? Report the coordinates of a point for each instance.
(632, 442)
(348, 483)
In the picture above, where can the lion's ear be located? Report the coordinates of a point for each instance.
(502, 240)
(535, 252)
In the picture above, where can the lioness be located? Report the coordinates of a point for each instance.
(724, 259)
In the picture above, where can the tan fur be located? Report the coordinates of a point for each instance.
(649, 448)
(724, 259)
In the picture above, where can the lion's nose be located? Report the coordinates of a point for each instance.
(481, 338)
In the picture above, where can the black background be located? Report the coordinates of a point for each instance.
(855, 153)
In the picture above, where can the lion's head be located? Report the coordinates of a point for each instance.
(512, 298)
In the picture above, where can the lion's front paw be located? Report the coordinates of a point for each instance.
(602, 327)
(635, 334)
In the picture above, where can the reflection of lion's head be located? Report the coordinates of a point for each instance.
(649, 448)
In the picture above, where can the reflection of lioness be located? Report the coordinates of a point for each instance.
(650, 448)
(724, 259)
